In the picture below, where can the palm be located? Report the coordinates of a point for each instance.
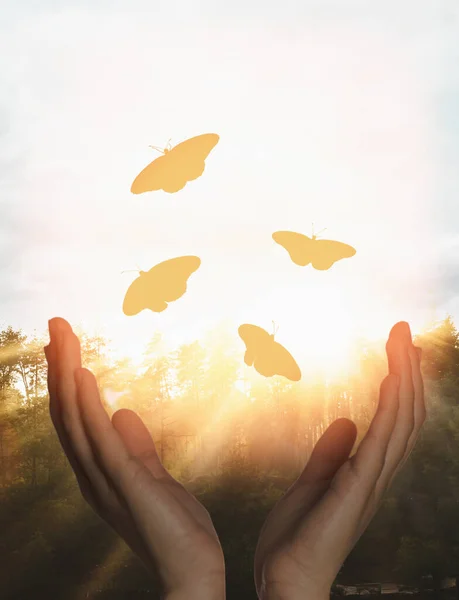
(280, 555)
(182, 524)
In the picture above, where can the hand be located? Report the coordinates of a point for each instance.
(121, 477)
(312, 529)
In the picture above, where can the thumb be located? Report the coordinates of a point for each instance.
(331, 452)
(138, 440)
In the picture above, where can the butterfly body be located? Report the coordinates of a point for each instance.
(177, 166)
(267, 356)
(165, 282)
(304, 250)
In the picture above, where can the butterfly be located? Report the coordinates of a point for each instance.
(267, 356)
(178, 165)
(165, 282)
(303, 250)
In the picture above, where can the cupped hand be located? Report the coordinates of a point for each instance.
(312, 529)
(121, 477)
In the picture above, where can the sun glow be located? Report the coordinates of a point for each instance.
(341, 133)
(111, 398)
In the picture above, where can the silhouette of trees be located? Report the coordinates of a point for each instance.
(238, 440)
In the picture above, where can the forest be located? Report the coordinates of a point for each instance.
(237, 441)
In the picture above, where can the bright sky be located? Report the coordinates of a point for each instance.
(341, 113)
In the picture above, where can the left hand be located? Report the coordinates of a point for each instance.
(121, 477)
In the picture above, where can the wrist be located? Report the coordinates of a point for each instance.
(276, 592)
(201, 593)
(196, 595)
(273, 595)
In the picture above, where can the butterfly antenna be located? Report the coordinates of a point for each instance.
(316, 235)
(132, 270)
(157, 148)
(321, 231)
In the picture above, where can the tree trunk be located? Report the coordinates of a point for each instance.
(2, 462)
(34, 470)
(162, 433)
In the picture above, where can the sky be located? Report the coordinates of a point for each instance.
(338, 113)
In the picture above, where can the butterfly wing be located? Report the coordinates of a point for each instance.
(267, 356)
(151, 178)
(165, 282)
(174, 183)
(171, 276)
(256, 340)
(140, 295)
(195, 148)
(283, 363)
(327, 252)
(300, 247)
(187, 158)
(172, 171)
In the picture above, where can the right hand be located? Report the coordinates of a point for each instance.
(312, 529)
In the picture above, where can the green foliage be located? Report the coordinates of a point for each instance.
(440, 351)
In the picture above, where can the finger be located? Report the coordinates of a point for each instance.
(104, 439)
(50, 353)
(393, 461)
(374, 448)
(138, 441)
(95, 492)
(368, 462)
(68, 361)
(327, 457)
(418, 383)
(82, 479)
(398, 349)
(398, 332)
(403, 360)
(348, 494)
(419, 409)
(130, 478)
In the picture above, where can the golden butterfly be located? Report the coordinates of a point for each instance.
(267, 356)
(304, 250)
(178, 165)
(165, 282)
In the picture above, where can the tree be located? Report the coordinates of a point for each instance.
(440, 351)
(33, 418)
(11, 343)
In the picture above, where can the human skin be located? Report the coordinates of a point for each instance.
(315, 525)
(121, 477)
